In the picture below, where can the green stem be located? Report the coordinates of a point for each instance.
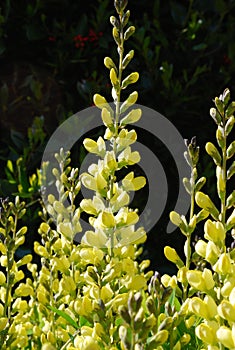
(224, 175)
(117, 114)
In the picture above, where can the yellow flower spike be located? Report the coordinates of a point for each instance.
(223, 265)
(226, 310)
(198, 307)
(206, 334)
(225, 337)
(200, 248)
(214, 231)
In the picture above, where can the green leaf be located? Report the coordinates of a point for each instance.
(65, 316)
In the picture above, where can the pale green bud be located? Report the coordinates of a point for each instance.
(106, 117)
(171, 255)
(127, 59)
(132, 117)
(99, 101)
(229, 125)
(113, 77)
(108, 62)
(204, 202)
(214, 153)
(130, 31)
(231, 150)
(231, 219)
(231, 170)
(132, 98)
(130, 79)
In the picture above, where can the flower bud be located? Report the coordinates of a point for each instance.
(132, 117)
(130, 31)
(214, 153)
(108, 62)
(132, 98)
(171, 255)
(204, 202)
(106, 117)
(130, 79)
(113, 77)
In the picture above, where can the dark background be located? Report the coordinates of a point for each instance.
(51, 64)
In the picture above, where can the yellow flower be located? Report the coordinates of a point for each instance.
(202, 281)
(2, 278)
(226, 310)
(214, 231)
(3, 323)
(225, 336)
(86, 343)
(206, 334)
(198, 307)
(223, 265)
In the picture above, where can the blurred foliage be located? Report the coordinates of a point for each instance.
(50, 56)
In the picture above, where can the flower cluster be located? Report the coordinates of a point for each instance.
(81, 40)
(212, 287)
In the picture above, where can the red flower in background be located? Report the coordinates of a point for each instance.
(80, 40)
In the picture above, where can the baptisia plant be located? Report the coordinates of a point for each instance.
(211, 287)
